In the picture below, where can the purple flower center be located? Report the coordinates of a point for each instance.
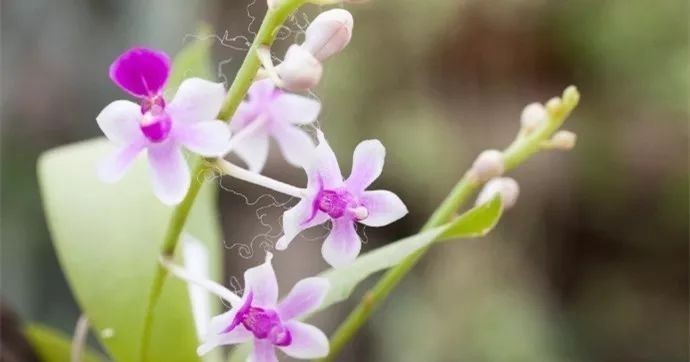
(155, 123)
(339, 202)
(263, 323)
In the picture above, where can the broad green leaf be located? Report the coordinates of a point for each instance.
(473, 223)
(194, 60)
(54, 346)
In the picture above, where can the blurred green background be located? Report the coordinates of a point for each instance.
(592, 263)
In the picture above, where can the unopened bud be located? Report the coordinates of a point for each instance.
(563, 140)
(328, 33)
(300, 70)
(506, 187)
(489, 164)
(533, 116)
(553, 105)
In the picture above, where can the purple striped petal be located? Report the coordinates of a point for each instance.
(305, 296)
(169, 172)
(215, 336)
(367, 164)
(384, 207)
(308, 342)
(141, 72)
(343, 244)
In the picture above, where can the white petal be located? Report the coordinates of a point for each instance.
(261, 282)
(263, 351)
(206, 138)
(296, 145)
(253, 150)
(323, 168)
(196, 262)
(113, 167)
(169, 172)
(295, 109)
(300, 217)
(367, 164)
(196, 100)
(342, 245)
(307, 341)
(305, 296)
(384, 207)
(119, 121)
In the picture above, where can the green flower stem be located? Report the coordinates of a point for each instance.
(273, 21)
(524, 146)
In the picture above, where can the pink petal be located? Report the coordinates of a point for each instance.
(261, 90)
(384, 207)
(263, 351)
(305, 296)
(141, 72)
(207, 138)
(253, 150)
(196, 100)
(119, 121)
(215, 336)
(307, 341)
(342, 245)
(323, 168)
(296, 145)
(113, 167)
(294, 109)
(367, 164)
(169, 172)
(299, 217)
(261, 282)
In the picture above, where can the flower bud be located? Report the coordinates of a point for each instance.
(328, 33)
(300, 70)
(506, 187)
(489, 164)
(563, 140)
(533, 116)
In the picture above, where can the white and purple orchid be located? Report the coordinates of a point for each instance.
(343, 202)
(158, 127)
(259, 318)
(269, 112)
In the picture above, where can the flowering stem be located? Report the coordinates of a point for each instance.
(273, 21)
(258, 179)
(524, 146)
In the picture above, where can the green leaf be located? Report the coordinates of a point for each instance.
(54, 346)
(194, 60)
(475, 222)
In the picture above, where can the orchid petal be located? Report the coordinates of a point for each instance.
(261, 282)
(307, 341)
(261, 90)
(383, 207)
(113, 167)
(216, 337)
(295, 109)
(296, 145)
(342, 245)
(207, 138)
(305, 296)
(299, 217)
(196, 100)
(367, 164)
(169, 172)
(253, 150)
(195, 256)
(141, 72)
(263, 351)
(119, 121)
(324, 166)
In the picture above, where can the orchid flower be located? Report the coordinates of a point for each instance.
(271, 112)
(258, 318)
(160, 128)
(344, 203)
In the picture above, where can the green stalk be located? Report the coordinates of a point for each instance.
(518, 152)
(273, 21)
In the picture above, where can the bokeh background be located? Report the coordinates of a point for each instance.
(592, 263)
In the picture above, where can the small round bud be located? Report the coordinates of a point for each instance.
(553, 105)
(300, 70)
(506, 187)
(328, 33)
(533, 116)
(563, 140)
(489, 164)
